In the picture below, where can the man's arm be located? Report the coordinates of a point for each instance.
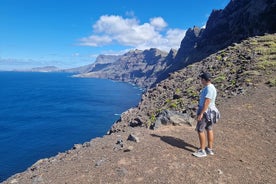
(207, 102)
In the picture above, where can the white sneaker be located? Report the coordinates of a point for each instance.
(200, 153)
(209, 151)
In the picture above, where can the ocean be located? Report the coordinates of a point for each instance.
(42, 114)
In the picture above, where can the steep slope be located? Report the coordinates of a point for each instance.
(235, 70)
(137, 67)
(245, 75)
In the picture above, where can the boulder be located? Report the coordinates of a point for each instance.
(167, 117)
(133, 137)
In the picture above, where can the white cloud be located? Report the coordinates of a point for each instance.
(158, 23)
(130, 13)
(76, 54)
(113, 29)
(95, 40)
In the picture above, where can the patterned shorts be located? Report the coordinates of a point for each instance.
(204, 124)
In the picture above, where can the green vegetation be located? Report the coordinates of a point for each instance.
(252, 72)
(248, 80)
(270, 44)
(177, 91)
(229, 64)
(192, 92)
(233, 82)
(219, 57)
(272, 82)
(189, 80)
(173, 105)
(266, 38)
(220, 79)
(264, 65)
(168, 101)
(176, 104)
(151, 120)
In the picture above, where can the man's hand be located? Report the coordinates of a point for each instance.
(205, 107)
(199, 117)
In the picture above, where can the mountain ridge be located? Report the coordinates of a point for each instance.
(136, 66)
(239, 20)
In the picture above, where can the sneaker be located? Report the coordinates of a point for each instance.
(200, 153)
(209, 151)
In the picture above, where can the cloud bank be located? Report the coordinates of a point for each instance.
(113, 29)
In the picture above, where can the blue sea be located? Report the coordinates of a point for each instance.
(42, 114)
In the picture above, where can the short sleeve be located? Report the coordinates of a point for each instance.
(210, 93)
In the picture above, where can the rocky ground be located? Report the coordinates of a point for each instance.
(245, 150)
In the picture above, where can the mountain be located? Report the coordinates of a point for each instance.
(44, 69)
(101, 62)
(136, 66)
(239, 20)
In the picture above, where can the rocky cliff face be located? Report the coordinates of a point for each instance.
(239, 20)
(137, 67)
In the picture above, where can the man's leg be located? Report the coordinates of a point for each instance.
(202, 140)
(210, 137)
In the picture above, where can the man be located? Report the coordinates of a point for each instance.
(207, 115)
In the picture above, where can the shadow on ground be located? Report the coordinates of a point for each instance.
(176, 142)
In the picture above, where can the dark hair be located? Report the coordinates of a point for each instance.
(206, 76)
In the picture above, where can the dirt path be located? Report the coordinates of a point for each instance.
(245, 140)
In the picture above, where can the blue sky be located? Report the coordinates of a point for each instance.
(70, 33)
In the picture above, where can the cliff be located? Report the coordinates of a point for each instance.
(137, 67)
(239, 20)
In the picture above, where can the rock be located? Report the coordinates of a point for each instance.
(167, 117)
(122, 171)
(77, 146)
(219, 171)
(120, 142)
(86, 144)
(133, 137)
(176, 96)
(14, 181)
(38, 180)
(136, 122)
(130, 148)
(99, 163)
